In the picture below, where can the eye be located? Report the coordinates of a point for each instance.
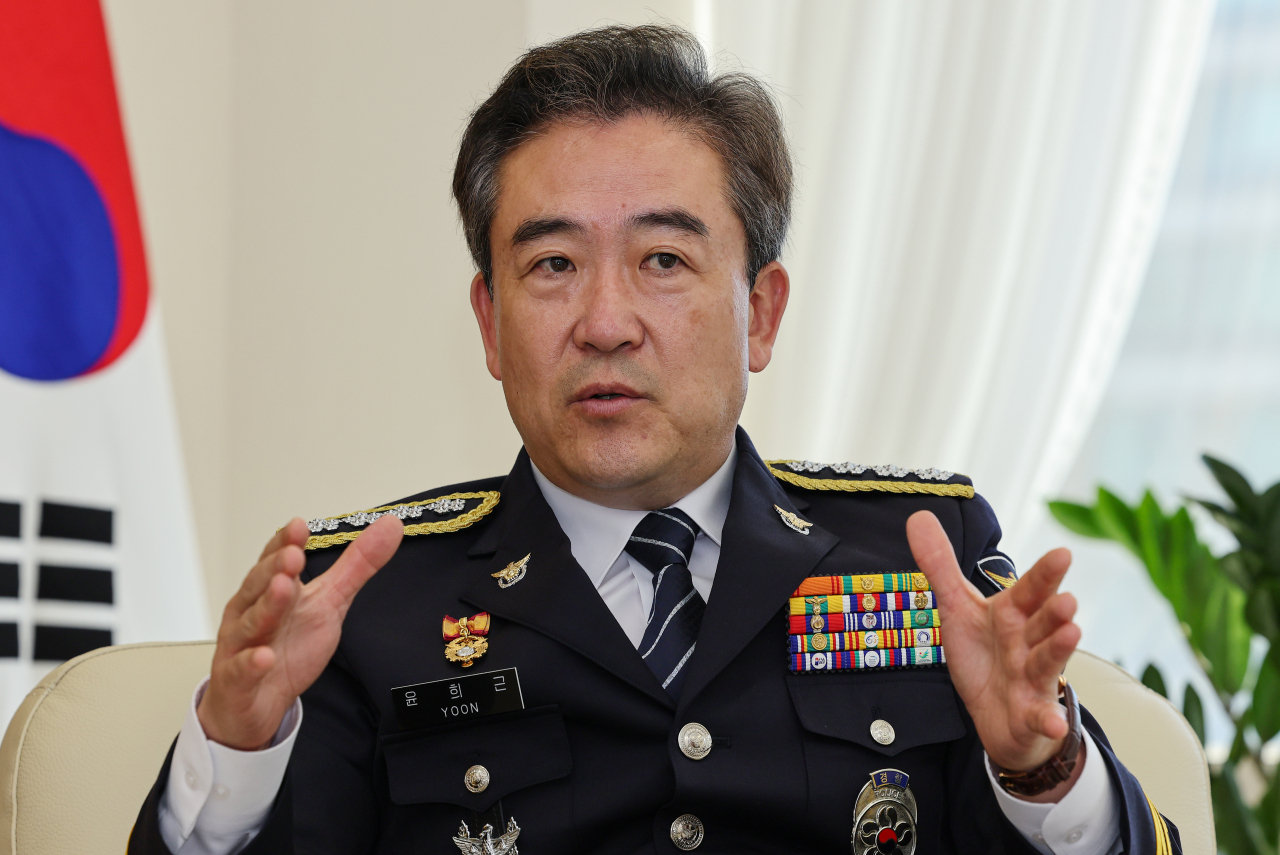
(663, 261)
(555, 264)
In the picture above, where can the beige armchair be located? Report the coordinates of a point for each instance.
(84, 748)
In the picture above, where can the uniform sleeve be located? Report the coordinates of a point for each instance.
(1139, 828)
(326, 802)
(218, 798)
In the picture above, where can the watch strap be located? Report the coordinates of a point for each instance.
(1059, 767)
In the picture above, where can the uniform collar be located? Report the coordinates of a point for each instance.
(597, 535)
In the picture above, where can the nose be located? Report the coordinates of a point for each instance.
(608, 320)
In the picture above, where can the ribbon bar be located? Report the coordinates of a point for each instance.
(870, 584)
(884, 639)
(831, 604)
(852, 660)
(847, 622)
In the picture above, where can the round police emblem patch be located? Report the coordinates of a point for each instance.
(884, 817)
(868, 620)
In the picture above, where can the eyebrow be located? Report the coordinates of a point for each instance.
(674, 219)
(532, 229)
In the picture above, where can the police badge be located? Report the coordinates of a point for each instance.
(884, 817)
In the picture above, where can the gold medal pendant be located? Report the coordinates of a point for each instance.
(466, 644)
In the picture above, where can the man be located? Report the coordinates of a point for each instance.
(652, 639)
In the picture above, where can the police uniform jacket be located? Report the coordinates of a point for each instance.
(591, 763)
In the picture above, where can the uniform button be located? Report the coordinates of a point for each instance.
(221, 792)
(476, 779)
(1038, 837)
(1074, 837)
(190, 778)
(694, 741)
(882, 731)
(687, 832)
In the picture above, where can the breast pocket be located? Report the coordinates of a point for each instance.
(519, 751)
(916, 716)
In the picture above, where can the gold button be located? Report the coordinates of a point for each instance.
(882, 731)
(687, 832)
(694, 741)
(476, 779)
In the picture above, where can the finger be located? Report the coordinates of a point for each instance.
(288, 560)
(295, 531)
(1041, 581)
(1059, 609)
(245, 670)
(1047, 659)
(364, 557)
(932, 551)
(260, 621)
(1049, 718)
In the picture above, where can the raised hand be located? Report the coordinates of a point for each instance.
(278, 634)
(1004, 652)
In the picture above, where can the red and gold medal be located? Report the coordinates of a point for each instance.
(465, 639)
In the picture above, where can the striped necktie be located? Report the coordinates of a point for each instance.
(663, 542)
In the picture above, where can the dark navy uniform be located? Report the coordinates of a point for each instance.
(591, 764)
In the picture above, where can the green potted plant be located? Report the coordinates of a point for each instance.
(1222, 603)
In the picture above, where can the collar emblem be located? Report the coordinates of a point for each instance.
(793, 522)
(513, 572)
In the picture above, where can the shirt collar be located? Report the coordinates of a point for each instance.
(597, 535)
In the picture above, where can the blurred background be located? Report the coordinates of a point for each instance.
(1037, 243)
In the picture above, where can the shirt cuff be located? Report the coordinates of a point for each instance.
(1084, 822)
(219, 792)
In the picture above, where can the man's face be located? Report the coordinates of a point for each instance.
(621, 325)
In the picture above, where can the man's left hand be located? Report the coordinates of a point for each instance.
(1004, 652)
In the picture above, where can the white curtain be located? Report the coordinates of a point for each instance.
(980, 183)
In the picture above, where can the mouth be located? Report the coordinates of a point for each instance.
(606, 399)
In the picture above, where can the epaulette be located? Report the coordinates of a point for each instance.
(856, 478)
(462, 510)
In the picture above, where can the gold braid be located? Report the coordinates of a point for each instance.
(489, 501)
(963, 491)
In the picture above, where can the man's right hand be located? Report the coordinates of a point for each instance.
(278, 634)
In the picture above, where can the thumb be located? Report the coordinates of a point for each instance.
(364, 557)
(932, 551)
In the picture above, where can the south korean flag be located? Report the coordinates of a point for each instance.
(96, 539)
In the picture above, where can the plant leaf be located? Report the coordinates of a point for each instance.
(1153, 680)
(1193, 709)
(1117, 520)
(1260, 612)
(1077, 518)
(1236, 486)
(1266, 696)
(1236, 827)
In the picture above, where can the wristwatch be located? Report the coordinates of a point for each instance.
(1057, 768)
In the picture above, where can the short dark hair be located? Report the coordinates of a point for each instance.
(607, 74)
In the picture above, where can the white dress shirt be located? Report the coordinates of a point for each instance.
(218, 798)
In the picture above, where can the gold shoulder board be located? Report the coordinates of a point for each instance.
(461, 509)
(851, 478)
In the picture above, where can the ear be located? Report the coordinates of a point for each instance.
(768, 301)
(487, 317)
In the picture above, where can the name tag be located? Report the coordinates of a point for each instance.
(457, 698)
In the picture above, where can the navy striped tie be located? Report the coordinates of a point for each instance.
(663, 542)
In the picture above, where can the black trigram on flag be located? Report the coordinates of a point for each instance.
(62, 578)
